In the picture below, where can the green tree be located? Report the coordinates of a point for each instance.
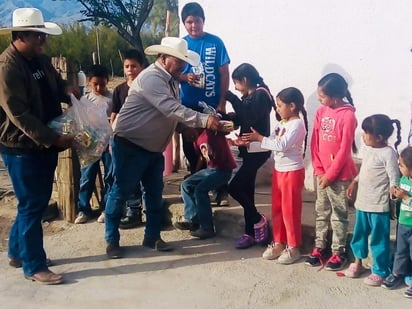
(4, 41)
(127, 17)
(77, 43)
(134, 20)
(156, 22)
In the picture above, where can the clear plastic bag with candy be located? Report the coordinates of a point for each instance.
(90, 127)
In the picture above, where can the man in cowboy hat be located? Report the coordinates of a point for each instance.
(30, 94)
(142, 130)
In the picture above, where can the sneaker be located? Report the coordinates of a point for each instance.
(273, 251)
(261, 230)
(373, 280)
(113, 251)
(408, 280)
(186, 225)
(391, 281)
(130, 222)
(245, 241)
(100, 219)
(408, 292)
(354, 270)
(336, 262)
(316, 258)
(203, 234)
(81, 218)
(289, 256)
(157, 244)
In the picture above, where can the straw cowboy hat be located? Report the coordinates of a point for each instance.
(31, 19)
(175, 47)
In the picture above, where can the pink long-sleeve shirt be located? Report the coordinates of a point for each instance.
(331, 145)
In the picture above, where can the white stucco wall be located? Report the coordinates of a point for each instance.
(296, 42)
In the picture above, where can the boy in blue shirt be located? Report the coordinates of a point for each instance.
(207, 82)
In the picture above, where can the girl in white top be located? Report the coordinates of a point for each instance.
(378, 173)
(287, 142)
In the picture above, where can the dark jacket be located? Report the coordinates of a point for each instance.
(252, 111)
(22, 111)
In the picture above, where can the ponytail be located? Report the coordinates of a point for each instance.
(398, 132)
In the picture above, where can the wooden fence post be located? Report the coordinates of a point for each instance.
(68, 167)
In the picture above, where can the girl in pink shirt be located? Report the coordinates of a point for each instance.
(331, 146)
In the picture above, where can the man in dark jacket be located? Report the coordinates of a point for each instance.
(31, 91)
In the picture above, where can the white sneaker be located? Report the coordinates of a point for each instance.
(289, 256)
(100, 219)
(81, 218)
(273, 251)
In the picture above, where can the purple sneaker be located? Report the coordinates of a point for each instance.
(261, 231)
(245, 241)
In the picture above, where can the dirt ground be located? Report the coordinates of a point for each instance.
(198, 274)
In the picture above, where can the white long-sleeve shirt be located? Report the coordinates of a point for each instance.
(379, 171)
(287, 144)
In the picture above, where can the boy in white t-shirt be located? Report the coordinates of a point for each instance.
(98, 79)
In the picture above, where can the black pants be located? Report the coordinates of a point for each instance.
(242, 187)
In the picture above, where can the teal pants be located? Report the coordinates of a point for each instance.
(373, 229)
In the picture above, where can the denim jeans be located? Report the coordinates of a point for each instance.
(88, 181)
(133, 165)
(195, 194)
(402, 264)
(32, 177)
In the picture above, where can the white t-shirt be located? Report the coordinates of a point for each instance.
(102, 100)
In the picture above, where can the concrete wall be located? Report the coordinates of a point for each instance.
(296, 42)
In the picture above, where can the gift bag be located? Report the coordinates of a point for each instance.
(89, 124)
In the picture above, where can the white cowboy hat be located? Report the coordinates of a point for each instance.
(175, 47)
(31, 19)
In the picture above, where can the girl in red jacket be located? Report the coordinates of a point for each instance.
(331, 146)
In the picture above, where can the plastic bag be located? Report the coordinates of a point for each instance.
(89, 125)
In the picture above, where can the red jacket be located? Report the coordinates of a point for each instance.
(215, 150)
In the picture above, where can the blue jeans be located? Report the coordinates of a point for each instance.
(195, 194)
(133, 165)
(32, 177)
(402, 264)
(88, 181)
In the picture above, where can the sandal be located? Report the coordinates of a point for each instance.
(354, 270)
(373, 280)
